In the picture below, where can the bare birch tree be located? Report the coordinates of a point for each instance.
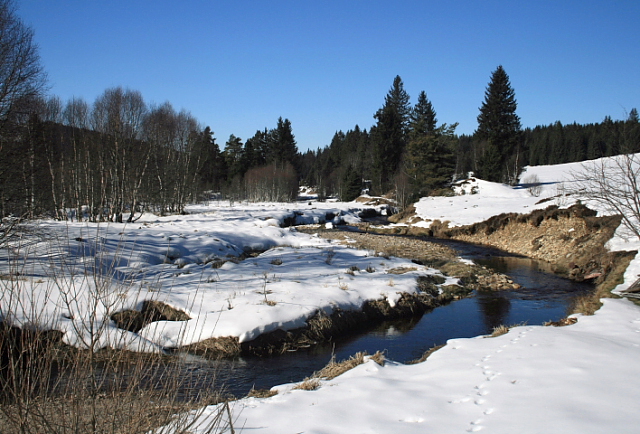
(613, 184)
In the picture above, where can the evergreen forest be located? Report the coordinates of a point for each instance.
(117, 157)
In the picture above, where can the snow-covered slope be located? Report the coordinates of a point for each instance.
(580, 379)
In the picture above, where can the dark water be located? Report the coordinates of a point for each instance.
(543, 297)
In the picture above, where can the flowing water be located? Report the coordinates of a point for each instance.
(543, 297)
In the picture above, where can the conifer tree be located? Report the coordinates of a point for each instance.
(389, 134)
(286, 149)
(351, 184)
(499, 130)
(430, 160)
(233, 155)
(422, 120)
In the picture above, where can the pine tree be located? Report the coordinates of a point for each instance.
(233, 155)
(430, 161)
(286, 149)
(389, 134)
(213, 170)
(499, 128)
(422, 120)
(351, 184)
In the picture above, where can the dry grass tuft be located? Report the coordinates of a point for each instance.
(401, 270)
(334, 369)
(262, 393)
(426, 355)
(308, 384)
(587, 304)
(561, 323)
(499, 331)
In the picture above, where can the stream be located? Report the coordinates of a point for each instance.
(543, 297)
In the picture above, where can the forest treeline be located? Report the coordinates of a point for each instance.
(426, 160)
(117, 157)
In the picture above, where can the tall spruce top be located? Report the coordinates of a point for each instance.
(498, 111)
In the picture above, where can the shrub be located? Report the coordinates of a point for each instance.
(533, 185)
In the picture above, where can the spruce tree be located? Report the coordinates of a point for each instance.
(430, 161)
(233, 151)
(351, 184)
(423, 119)
(499, 130)
(389, 134)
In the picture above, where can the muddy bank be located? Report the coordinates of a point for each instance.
(323, 327)
(572, 240)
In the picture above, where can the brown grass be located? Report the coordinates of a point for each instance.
(335, 369)
(499, 331)
(561, 323)
(587, 304)
(308, 384)
(262, 393)
(48, 387)
(426, 355)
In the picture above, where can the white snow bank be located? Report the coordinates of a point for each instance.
(81, 274)
(580, 378)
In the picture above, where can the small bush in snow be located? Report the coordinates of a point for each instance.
(533, 184)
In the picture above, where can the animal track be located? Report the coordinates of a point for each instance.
(475, 426)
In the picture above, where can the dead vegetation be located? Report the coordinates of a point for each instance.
(49, 387)
(334, 369)
(499, 331)
(427, 354)
(262, 393)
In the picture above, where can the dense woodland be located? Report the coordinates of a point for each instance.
(114, 158)
(118, 157)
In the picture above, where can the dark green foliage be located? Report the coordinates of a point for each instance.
(284, 145)
(430, 160)
(423, 117)
(499, 130)
(557, 143)
(214, 168)
(233, 154)
(388, 136)
(351, 184)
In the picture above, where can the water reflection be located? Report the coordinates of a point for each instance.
(495, 309)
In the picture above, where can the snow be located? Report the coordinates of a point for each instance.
(580, 378)
(534, 379)
(80, 274)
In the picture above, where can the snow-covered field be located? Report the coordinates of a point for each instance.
(61, 279)
(579, 378)
(534, 379)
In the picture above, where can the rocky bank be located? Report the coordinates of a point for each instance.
(573, 240)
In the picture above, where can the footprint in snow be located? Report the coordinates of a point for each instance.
(475, 426)
(460, 400)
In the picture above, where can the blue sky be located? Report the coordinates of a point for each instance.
(239, 65)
